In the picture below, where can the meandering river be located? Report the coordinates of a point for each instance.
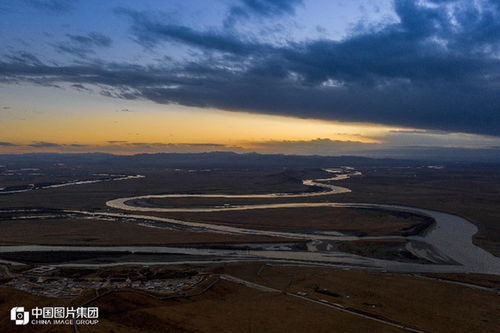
(447, 243)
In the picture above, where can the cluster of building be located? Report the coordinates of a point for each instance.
(43, 282)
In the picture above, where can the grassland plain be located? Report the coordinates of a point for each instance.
(429, 305)
(470, 192)
(433, 302)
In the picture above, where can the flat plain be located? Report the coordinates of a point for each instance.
(254, 295)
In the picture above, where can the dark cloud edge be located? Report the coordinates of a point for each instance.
(400, 75)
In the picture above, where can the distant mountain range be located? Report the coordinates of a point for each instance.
(230, 159)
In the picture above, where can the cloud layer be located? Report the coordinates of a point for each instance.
(437, 67)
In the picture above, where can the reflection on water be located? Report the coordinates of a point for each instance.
(31, 187)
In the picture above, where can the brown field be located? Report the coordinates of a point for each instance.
(429, 305)
(489, 281)
(95, 232)
(347, 220)
(225, 307)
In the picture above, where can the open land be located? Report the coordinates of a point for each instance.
(262, 295)
(465, 191)
(347, 220)
(268, 298)
(95, 232)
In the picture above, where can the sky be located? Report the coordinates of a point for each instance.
(328, 77)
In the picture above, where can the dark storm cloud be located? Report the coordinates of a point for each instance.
(83, 45)
(437, 68)
(260, 8)
(91, 39)
(24, 58)
(266, 7)
(150, 32)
